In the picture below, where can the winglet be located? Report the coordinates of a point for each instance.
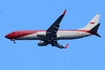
(67, 45)
(64, 12)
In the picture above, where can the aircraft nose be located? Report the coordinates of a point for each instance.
(7, 36)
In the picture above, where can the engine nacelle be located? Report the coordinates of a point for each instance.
(41, 34)
(42, 43)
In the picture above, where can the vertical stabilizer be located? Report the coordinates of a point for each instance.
(92, 23)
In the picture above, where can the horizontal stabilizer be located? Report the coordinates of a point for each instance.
(95, 29)
(97, 35)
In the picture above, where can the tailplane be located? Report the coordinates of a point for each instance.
(95, 29)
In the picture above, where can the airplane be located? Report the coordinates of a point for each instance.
(53, 34)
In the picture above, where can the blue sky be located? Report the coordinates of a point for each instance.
(82, 54)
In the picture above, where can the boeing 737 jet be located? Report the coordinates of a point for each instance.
(53, 34)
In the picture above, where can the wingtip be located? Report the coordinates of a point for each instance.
(67, 45)
(64, 12)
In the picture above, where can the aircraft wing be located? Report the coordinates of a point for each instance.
(60, 46)
(52, 30)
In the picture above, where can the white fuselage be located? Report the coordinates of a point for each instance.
(61, 35)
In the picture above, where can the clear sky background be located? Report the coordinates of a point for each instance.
(82, 54)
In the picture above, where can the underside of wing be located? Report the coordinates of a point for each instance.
(52, 30)
(56, 44)
(53, 43)
(51, 34)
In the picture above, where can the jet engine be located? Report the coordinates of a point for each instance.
(42, 43)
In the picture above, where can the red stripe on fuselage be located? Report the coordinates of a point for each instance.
(17, 34)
